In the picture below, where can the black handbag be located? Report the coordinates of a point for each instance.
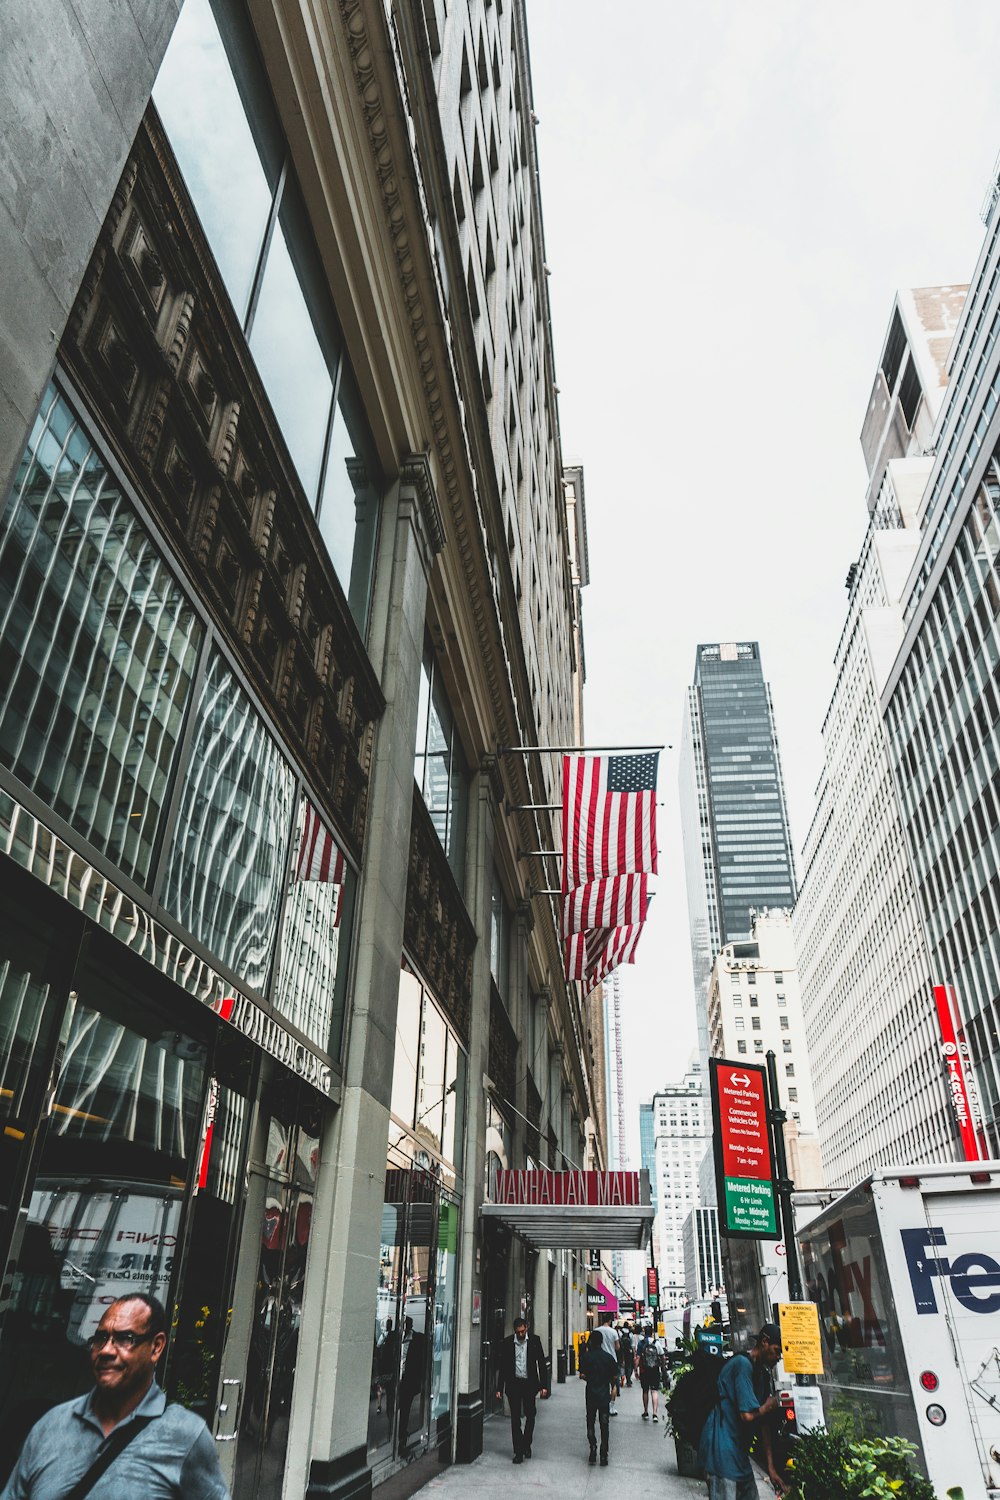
(117, 1444)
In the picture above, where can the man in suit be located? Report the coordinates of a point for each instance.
(523, 1374)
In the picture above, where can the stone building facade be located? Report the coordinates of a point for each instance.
(285, 561)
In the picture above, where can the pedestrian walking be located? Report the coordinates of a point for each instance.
(647, 1355)
(611, 1344)
(523, 1374)
(724, 1450)
(626, 1355)
(124, 1437)
(600, 1370)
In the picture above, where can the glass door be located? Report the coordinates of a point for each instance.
(261, 1352)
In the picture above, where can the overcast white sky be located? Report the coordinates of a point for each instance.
(732, 194)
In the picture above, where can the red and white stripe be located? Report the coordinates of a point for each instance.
(619, 950)
(619, 901)
(604, 833)
(319, 857)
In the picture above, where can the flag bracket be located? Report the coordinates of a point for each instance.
(580, 749)
(539, 854)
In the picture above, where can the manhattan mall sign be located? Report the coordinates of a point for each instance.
(568, 1210)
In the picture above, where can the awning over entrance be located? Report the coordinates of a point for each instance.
(570, 1210)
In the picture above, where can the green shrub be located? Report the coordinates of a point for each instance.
(830, 1466)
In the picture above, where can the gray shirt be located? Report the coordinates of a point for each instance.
(520, 1358)
(174, 1458)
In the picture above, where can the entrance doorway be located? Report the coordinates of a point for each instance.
(258, 1370)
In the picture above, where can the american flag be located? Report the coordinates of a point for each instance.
(609, 817)
(319, 857)
(619, 901)
(591, 956)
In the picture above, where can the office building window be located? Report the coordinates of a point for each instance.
(214, 101)
(755, 1022)
(98, 648)
(439, 767)
(741, 1046)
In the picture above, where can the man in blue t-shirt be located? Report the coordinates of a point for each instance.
(724, 1450)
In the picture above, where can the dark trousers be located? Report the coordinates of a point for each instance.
(521, 1400)
(597, 1408)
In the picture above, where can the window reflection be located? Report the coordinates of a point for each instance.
(199, 103)
(349, 505)
(292, 364)
(227, 863)
(311, 982)
(428, 1081)
(439, 766)
(98, 645)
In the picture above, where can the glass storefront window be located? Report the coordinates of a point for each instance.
(97, 646)
(104, 1210)
(226, 868)
(230, 175)
(404, 1070)
(445, 1307)
(428, 1080)
(311, 981)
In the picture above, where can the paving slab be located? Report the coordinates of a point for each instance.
(641, 1457)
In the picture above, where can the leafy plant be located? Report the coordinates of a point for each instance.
(832, 1466)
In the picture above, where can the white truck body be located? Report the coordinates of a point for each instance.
(905, 1269)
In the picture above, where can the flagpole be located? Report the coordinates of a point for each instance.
(579, 749)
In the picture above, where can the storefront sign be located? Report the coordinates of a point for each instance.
(594, 1297)
(743, 1169)
(801, 1345)
(958, 1070)
(567, 1189)
(59, 866)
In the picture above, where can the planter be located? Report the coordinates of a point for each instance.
(688, 1466)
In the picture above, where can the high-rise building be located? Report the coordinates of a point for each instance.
(734, 822)
(682, 1133)
(754, 1007)
(941, 697)
(702, 1254)
(285, 553)
(863, 959)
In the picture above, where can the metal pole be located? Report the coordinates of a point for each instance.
(579, 749)
(783, 1183)
(539, 854)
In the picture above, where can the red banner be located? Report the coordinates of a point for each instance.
(958, 1068)
(567, 1189)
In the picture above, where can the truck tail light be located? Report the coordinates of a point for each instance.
(979, 1177)
(929, 1380)
(910, 1182)
(936, 1415)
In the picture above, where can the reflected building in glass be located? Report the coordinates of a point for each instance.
(286, 553)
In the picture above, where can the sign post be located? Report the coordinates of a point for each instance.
(744, 1170)
(652, 1287)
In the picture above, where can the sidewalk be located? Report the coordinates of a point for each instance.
(640, 1456)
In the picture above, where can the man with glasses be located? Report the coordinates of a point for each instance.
(122, 1438)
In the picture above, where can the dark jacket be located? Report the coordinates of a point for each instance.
(600, 1370)
(538, 1370)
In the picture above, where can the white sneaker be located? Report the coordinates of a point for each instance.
(612, 1411)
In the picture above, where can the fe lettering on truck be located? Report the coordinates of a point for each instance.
(971, 1275)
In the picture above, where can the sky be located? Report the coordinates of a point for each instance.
(732, 194)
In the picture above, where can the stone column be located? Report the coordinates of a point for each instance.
(483, 803)
(330, 1413)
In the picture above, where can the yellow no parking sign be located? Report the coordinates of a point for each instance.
(801, 1345)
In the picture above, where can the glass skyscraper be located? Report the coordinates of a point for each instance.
(737, 848)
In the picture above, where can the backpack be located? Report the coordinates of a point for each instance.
(695, 1397)
(649, 1355)
(626, 1345)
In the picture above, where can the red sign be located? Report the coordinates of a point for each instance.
(567, 1189)
(746, 1148)
(958, 1067)
(652, 1282)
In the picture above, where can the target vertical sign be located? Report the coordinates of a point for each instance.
(744, 1171)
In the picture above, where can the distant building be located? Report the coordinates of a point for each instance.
(682, 1133)
(754, 1008)
(702, 1253)
(864, 966)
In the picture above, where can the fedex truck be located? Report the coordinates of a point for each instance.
(905, 1269)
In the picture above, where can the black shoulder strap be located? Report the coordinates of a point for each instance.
(117, 1444)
